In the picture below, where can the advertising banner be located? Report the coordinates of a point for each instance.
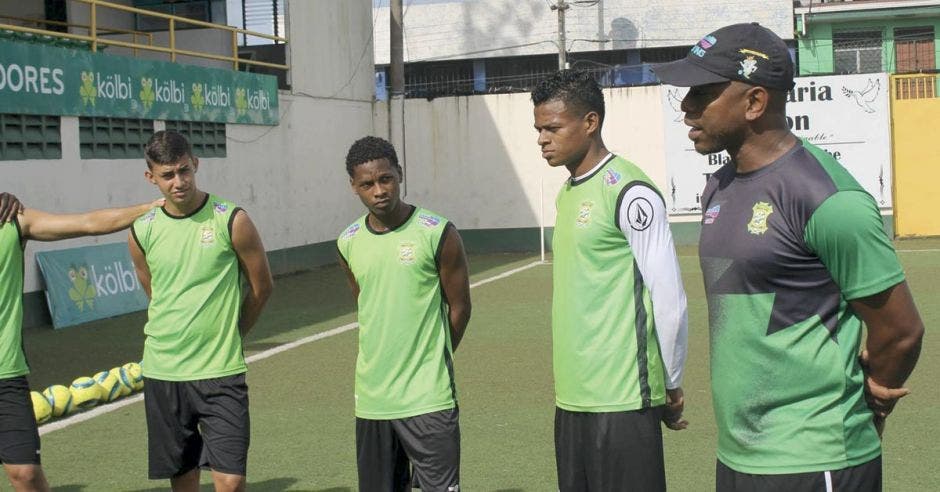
(845, 115)
(89, 283)
(40, 79)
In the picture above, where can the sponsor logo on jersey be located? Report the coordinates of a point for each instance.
(758, 223)
(711, 214)
(207, 235)
(584, 214)
(220, 208)
(428, 220)
(611, 177)
(149, 216)
(406, 253)
(351, 231)
(640, 213)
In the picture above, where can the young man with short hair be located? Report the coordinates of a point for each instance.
(407, 269)
(190, 256)
(795, 258)
(19, 435)
(619, 317)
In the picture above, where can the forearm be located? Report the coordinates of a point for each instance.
(891, 361)
(459, 318)
(252, 306)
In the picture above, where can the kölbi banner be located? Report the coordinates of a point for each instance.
(41, 79)
(845, 115)
(89, 283)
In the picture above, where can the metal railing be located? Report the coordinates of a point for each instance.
(95, 39)
(914, 86)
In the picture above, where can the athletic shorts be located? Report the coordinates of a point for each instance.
(19, 435)
(609, 451)
(430, 442)
(202, 423)
(861, 478)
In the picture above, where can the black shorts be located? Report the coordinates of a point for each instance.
(19, 435)
(431, 442)
(609, 451)
(202, 423)
(861, 478)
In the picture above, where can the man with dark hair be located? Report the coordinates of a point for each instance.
(619, 317)
(19, 435)
(190, 256)
(795, 258)
(407, 269)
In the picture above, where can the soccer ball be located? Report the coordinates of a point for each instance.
(110, 386)
(41, 408)
(134, 375)
(85, 393)
(60, 399)
(122, 381)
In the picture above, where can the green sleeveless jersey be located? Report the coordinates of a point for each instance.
(12, 358)
(605, 351)
(192, 327)
(404, 367)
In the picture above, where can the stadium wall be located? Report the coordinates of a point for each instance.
(290, 178)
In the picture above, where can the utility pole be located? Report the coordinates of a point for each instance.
(561, 7)
(396, 100)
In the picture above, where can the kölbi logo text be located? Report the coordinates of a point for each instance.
(114, 278)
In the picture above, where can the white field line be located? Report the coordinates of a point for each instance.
(918, 250)
(95, 412)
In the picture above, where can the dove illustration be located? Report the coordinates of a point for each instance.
(866, 96)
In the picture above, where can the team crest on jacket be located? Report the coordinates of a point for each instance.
(584, 214)
(758, 223)
(220, 208)
(207, 235)
(428, 220)
(611, 177)
(350, 231)
(406, 253)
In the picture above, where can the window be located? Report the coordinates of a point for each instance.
(200, 10)
(113, 138)
(857, 51)
(914, 49)
(27, 136)
(207, 139)
(264, 16)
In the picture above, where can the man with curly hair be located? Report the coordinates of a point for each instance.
(619, 317)
(407, 269)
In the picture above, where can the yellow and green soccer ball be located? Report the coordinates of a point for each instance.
(135, 377)
(60, 399)
(41, 407)
(123, 382)
(110, 386)
(85, 393)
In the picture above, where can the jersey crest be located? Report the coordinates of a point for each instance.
(207, 235)
(406, 253)
(758, 223)
(584, 214)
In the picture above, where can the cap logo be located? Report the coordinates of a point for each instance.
(748, 66)
(746, 51)
(702, 46)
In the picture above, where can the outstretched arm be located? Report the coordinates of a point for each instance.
(44, 226)
(10, 206)
(254, 263)
(455, 279)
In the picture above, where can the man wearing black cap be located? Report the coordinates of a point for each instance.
(795, 258)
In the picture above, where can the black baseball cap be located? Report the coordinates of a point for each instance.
(750, 53)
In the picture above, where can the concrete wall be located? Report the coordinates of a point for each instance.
(31, 9)
(475, 159)
(487, 27)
